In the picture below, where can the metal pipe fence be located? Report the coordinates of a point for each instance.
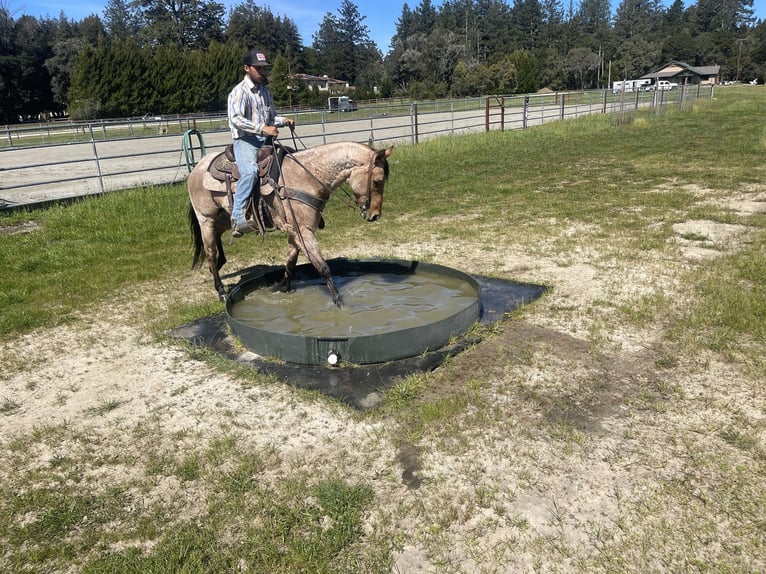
(64, 160)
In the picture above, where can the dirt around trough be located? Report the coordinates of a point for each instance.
(577, 440)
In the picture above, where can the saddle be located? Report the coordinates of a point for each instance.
(224, 165)
(223, 168)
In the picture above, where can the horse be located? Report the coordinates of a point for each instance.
(293, 201)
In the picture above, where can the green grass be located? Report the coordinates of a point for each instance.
(305, 523)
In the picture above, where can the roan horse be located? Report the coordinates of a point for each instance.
(294, 203)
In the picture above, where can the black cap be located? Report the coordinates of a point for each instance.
(254, 58)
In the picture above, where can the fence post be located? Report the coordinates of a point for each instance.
(603, 101)
(414, 121)
(561, 107)
(372, 129)
(525, 111)
(324, 128)
(95, 155)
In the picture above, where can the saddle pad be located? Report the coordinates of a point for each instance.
(212, 184)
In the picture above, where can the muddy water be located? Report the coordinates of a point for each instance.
(373, 303)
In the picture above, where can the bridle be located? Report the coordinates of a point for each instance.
(319, 204)
(298, 193)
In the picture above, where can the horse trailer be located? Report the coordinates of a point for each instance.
(341, 104)
(630, 86)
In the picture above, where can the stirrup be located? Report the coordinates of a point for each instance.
(241, 228)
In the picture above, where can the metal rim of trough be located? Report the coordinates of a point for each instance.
(360, 349)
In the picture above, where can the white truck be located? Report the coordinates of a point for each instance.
(341, 104)
(662, 85)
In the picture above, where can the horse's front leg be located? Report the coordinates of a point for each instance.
(292, 259)
(317, 260)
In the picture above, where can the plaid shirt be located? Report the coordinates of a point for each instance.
(250, 109)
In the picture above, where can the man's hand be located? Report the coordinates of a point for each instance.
(271, 131)
(290, 123)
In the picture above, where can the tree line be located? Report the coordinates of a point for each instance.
(183, 56)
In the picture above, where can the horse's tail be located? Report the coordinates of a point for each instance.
(196, 233)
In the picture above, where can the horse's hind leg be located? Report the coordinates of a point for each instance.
(221, 260)
(214, 255)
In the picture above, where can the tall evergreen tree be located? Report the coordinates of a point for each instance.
(420, 21)
(343, 44)
(425, 17)
(253, 26)
(637, 33)
(553, 19)
(188, 24)
(724, 15)
(494, 37)
(460, 16)
(31, 44)
(527, 18)
(594, 15)
(121, 20)
(405, 25)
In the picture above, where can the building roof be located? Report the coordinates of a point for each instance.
(674, 69)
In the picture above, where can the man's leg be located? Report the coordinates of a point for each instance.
(245, 153)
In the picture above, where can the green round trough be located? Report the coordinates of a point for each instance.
(392, 309)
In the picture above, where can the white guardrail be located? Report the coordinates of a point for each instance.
(55, 161)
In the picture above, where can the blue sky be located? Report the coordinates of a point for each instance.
(379, 16)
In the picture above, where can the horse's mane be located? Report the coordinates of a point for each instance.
(333, 146)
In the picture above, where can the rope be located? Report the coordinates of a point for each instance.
(188, 148)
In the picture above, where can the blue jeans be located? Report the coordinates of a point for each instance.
(246, 154)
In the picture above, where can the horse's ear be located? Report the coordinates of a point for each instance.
(384, 153)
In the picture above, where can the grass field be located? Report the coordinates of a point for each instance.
(616, 425)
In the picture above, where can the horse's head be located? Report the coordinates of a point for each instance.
(367, 185)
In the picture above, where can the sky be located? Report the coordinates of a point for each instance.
(379, 16)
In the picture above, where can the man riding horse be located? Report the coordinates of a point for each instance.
(253, 123)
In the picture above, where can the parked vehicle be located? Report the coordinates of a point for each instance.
(629, 86)
(341, 104)
(662, 85)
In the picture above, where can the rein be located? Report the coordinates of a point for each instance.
(318, 204)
